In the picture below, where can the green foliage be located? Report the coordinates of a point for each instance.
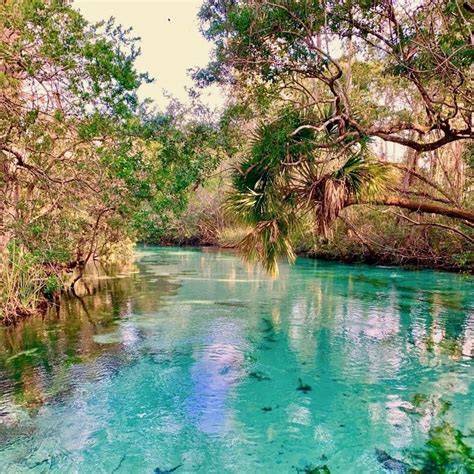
(419, 399)
(445, 449)
(85, 162)
(361, 176)
(252, 30)
(52, 285)
(324, 83)
(287, 173)
(21, 283)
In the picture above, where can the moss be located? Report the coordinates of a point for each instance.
(419, 399)
(444, 406)
(450, 347)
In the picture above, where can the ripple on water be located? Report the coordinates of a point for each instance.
(201, 362)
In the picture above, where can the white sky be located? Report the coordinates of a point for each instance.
(169, 48)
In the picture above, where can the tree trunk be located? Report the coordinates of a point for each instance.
(412, 166)
(417, 206)
(8, 201)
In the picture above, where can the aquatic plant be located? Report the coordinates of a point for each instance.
(303, 387)
(322, 469)
(446, 451)
(167, 471)
(22, 281)
(259, 376)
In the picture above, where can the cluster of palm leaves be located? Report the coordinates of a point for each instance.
(294, 171)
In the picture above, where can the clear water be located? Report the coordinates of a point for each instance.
(193, 359)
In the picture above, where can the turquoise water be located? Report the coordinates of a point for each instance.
(193, 359)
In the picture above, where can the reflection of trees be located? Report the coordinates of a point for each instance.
(467, 349)
(350, 332)
(342, 325)
(445, 329)
(35, 354)
(376, 316)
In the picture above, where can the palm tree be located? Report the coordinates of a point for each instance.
(293, 169)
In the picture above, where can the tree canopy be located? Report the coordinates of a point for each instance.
(84, 163)
(335, 108)
(330, 83)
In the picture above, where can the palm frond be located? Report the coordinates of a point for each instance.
(358, 177)
(266, 243)
(286, 174)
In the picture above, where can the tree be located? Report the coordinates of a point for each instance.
(84, 163)
(355, 74)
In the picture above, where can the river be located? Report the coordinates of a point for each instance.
(191, 359)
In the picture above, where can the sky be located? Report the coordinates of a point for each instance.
(171, 42)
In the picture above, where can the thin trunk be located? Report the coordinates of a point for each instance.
(8, 201)
(412, 166)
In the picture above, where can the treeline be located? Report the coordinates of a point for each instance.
(86, 168)
(352, 129)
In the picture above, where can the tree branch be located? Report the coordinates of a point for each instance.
(416, 206)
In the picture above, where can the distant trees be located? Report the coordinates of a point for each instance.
(83, 163)
(331, 81)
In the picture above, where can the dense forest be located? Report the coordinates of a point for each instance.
(347, 134)
(86, 167)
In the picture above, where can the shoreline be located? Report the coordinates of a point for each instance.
(45, 303)
(325, 256)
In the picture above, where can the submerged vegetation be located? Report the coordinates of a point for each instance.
(346, 134)
(377, 378)
(445, 449)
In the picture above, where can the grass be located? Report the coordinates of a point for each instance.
(22, 284)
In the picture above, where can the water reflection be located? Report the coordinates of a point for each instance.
(37, 354)
(217, 370)
(195, 358)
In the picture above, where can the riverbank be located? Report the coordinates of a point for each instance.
(44, 299)
(367, 235)
(331, 253)
(30, 288)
